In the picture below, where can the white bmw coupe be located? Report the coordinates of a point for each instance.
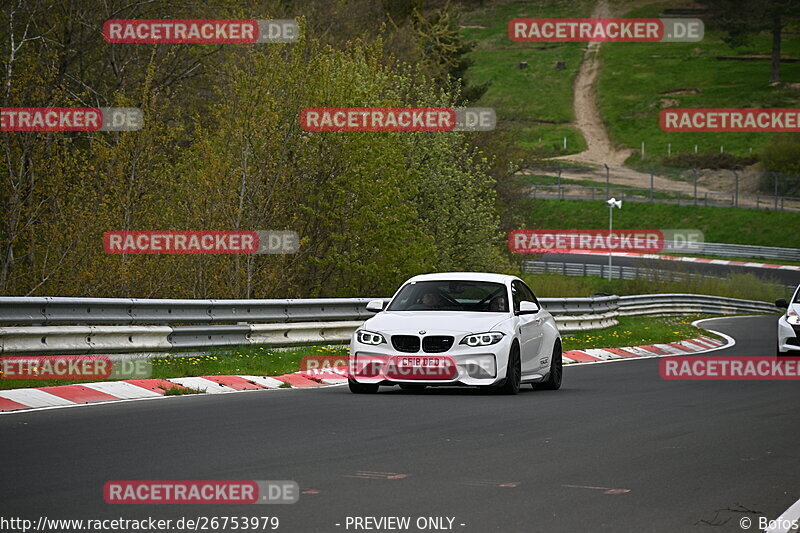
(457, 328)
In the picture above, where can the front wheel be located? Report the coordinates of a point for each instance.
(553, 381)
(361, 388)
(513, 373)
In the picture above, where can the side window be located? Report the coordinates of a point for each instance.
(529, 296)
(517, 294)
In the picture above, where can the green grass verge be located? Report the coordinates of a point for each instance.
(535, 102)
(181, 391)
(257, 361)
(637, 80)
(719, 224)
(636, 331)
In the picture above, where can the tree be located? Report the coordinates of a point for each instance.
(741, 21)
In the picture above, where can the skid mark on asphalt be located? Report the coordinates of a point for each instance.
(364, 474)
(606, 490)
(488, 483)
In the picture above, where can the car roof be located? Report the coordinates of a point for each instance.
(464, 276)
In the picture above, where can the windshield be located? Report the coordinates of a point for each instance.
(452, 295)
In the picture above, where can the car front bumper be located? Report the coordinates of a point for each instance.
(788, 336)
(381, 364)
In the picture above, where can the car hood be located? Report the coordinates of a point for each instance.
(439, 321)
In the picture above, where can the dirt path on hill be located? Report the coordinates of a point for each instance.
(587, 115)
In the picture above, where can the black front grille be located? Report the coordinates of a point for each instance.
(405, 343)
(437, 343)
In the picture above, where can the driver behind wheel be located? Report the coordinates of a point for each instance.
(498, 305)
(432, 300)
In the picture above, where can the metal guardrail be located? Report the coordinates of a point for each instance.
(736, 250)
(746, 250)
(47, 311)
(679, 304)
(617, 271)
(329, 320)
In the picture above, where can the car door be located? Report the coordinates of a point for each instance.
(528, 327)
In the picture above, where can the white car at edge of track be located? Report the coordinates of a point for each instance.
(457, 328)
(789, 324)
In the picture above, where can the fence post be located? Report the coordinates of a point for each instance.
(694, 171)
(776, 191)
(607, 182)
(651, 185)
(559, 181)
(736, 190)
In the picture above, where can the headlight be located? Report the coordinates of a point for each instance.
(482, 339)
(368, 337)
(793, 318)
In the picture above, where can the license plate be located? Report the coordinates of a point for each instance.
(422, 362)
(421, 367)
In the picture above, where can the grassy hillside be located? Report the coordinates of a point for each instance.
(535, 102)
(637, 80)
(720, 224)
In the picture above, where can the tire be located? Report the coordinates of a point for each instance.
(553, 381)
(412, 386)
(513, 373)
(362, 388)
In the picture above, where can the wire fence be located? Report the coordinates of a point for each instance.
(700, 187)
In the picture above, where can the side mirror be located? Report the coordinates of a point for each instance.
(376, 306)
(782, 303)
(528, 308)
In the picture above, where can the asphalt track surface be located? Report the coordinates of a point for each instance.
(684, 456)
(784, 277)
